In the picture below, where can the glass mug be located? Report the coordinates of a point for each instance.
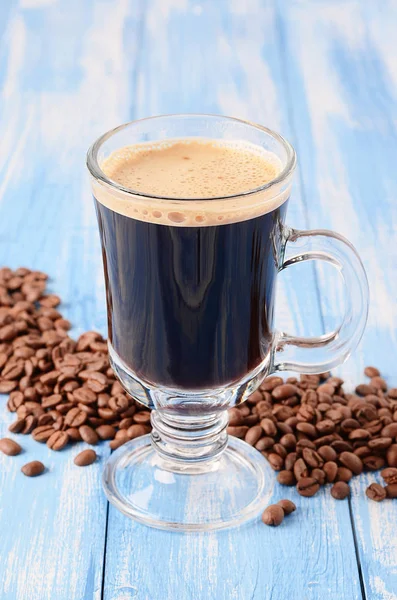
(190, 294)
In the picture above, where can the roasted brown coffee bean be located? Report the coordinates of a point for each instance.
(286, 478)
(327, 453)
(253, 435)
(235, 417)
(122, 434)
(325, 427)
(238, 431)
(7, 386)
(84, 396)
(264, 443)
(312, 458)
(85, 458)
(9, 447)
(340, 490)
(283, 412)
(142, 417)
(288, 441)
(17, 426)
(380, 443)
(307, 428)
(88, 435)
(307, 486)
(15, 400)
(290, 460)
(390, 430)
(273, 515)
(118, 404)
(352, 462)
(363, 451)
(73, 434)
(376, 492)
(51, 401)
(363, 389)
(287, 505)
(75, 417)
(341, 446)
(269, 427)
(116, 443)
(391, 490)
(30, 424)
(58, 440)
(391, 455)
(371, 372)
(276, 461)
(373, 463)
(137, 430)
(109, 415)
(378, 383)
(359, 434)
(330, 469)
(300, 469)
(389, 475)
(106, 432)
(270, 383)
(286, 390)
(33, 468)
(42, 433)
(318, 475)
(343, 474)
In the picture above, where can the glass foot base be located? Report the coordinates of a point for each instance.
(224, 493)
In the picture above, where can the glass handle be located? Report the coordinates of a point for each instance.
(320, 354)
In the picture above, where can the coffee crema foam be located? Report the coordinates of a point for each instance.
(198, 181)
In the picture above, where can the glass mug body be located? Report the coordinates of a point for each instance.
(190, 290)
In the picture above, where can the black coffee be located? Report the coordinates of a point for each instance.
(190, 306)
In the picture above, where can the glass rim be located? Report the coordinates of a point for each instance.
(97, 173)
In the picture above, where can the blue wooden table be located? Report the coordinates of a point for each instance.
(324, 74)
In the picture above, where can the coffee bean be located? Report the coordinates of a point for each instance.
(106, 432)
(379, 444)
(88, 435)
(363, 389)
(378, 383)
(253, 435)
(85, 458)
(371, 372)
(269, 427)
(391, 490)
(58, 440)
(235, 417)
(325, 427)
(116, 443)
(327, 453)
(17, 426)
(142, 417)
(312, 458)
(304, 443)
(352, 462)
(42, 433)
(340, 490)
(286, 478)
(373, 463)
(276, 462)
(341, 446)
(30, 424)
(343, 474)
(330, 469)
(389, 474)
(318, 475)
(75, 417)
(264, 443)
(286, 390)
(359, 434)
(287, 506)
(391, 456)
(308, 429)
(290, 460)
(390, 430)
(273, 515)
(10, 447)
(300, 469)
(74, 434)
(307, 486)
(33, 469)
(376, 492)
(288, 441)
(238, 431)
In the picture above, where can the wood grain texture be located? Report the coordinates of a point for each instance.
(225, 58)
(323, 73)
(343, 80)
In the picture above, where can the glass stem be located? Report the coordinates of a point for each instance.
(187, 442)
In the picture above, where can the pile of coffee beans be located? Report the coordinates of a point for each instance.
(313, 433)
(61, 391)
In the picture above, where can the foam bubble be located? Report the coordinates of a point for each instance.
(193, 178)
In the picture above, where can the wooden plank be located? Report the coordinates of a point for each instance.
(63, 82)
(224, 57)
(343, 79)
